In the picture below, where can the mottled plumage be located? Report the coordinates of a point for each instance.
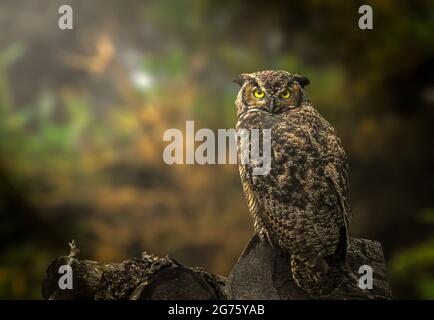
(302, 204)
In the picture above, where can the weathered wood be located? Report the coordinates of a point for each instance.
(261, 272)
(149, 277)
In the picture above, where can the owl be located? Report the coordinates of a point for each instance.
(302, 204)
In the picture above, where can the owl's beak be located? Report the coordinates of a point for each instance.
(272, 106)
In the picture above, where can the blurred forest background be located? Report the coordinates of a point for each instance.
(82, 114)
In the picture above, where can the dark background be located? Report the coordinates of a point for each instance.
(82, 114)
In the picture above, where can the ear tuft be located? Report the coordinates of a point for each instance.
(240, 79)
(301, 80)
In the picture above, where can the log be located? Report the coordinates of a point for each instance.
(261, 272)
(148, 277)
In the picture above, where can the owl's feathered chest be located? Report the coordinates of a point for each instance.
(296, 133)
(302, 145)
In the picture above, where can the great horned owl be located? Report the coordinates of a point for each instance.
(302, 204)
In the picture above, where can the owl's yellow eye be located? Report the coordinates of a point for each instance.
(285, 94)
(258, 93)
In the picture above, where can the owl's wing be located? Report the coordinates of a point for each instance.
(338, 173)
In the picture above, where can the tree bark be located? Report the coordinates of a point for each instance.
(261, 272)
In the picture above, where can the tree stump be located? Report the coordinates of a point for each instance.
(262, 272)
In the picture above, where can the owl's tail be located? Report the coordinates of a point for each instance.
(317, 276)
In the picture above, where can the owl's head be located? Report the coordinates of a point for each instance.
(270, 91)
